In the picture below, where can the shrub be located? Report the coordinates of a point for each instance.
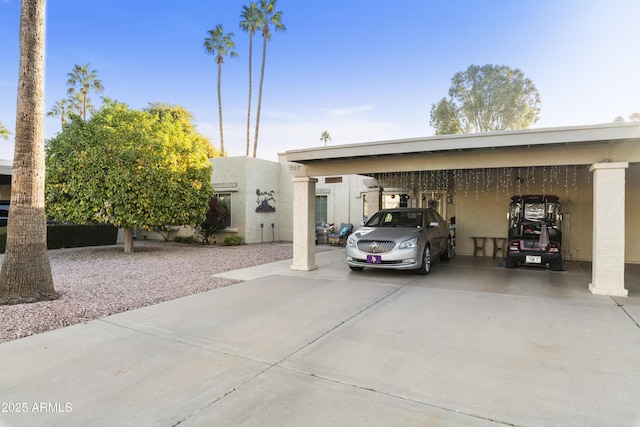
(216, 220)
(233, 240)
(73, 235)
(188, 239)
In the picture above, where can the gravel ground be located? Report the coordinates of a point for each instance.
(96, 282)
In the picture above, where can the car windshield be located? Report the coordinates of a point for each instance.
(411, 219)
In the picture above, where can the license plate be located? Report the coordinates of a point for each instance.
(534, 259)
(374, 259)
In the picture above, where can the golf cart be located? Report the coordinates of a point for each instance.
(535, 237)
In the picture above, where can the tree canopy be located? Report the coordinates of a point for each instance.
(486, 98)
(129, 168)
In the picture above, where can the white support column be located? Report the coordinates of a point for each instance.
(373, 200)
(607, 274)
(304, 223)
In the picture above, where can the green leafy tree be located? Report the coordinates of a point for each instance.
(82, 80)
(268, 17)
(216, 220)
(4, 132)
(220, 45)
(183, 116)
(249, 23)
(26, 272)
(445, 117)
(324, 136)
(129, 168)
(487, 98)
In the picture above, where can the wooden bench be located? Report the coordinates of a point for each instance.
(479, 244)
(499, 245)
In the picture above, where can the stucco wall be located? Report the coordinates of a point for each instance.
(285, 214)
(344, 199)
(244, 178)
(484, 213)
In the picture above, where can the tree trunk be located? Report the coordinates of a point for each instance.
(264, 56)
(26, 271)
(250, 88)
(220, 109)
(128, 240)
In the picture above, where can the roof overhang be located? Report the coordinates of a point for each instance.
(489, 149)
(608, 132)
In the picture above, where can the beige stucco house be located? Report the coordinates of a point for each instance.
(259, 194)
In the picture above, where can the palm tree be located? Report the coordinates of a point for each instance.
(82, 81)
(220, 45)
(61, 109)
(4, 132)
(26, 271)
(249, 23)
(78, 103)
(268, 16)
(324, 136)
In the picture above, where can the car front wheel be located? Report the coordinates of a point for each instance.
(425, 267)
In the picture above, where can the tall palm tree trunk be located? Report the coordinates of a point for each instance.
(220, 109)
(264, 56)
(250, 89)
(26, 271)
(84, 106)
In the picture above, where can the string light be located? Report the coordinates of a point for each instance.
(484, 182)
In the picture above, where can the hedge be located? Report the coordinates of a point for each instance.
(73, 235)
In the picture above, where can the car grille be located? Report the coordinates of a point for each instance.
(376, 246)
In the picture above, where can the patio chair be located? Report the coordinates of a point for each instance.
(339, 237)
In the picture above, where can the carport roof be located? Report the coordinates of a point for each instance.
(570, 135)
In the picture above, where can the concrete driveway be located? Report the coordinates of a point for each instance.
(470, 344)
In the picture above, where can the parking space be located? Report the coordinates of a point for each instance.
(472, 343)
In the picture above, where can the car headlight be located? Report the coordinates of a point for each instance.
(413, 243)
(351, 242)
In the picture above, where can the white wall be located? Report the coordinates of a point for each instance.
(344, 199)
(243, 177)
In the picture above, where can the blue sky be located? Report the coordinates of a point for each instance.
(361, 70)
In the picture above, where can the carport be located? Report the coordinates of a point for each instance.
(593, 169)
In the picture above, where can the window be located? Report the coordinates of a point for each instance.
(321, 210)
(226, 199)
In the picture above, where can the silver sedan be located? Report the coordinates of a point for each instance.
(400, 239)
